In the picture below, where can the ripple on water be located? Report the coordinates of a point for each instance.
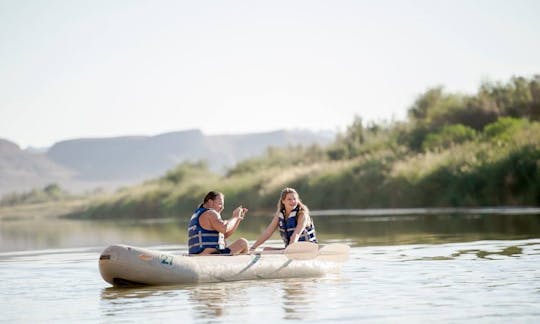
(486, 281)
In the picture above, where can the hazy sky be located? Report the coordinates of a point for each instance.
(100, 68)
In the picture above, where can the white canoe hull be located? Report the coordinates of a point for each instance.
(121, 264)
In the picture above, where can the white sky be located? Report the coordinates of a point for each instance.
(98, 68)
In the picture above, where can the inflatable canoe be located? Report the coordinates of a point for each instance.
(122, 265)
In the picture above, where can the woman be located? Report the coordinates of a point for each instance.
(293, 220)
(207, 231)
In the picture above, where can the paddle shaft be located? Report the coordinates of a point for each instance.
(306, 251)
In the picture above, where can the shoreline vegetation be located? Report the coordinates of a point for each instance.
(453, 150)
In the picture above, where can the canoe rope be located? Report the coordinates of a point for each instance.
(277, 270)
(250, 264)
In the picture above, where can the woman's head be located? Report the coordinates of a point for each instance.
(214, 200)
(288, 200)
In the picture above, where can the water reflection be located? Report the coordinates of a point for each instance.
(443, 228)
(207, 302)
(135, 303)
(478, 250)
(486, 281)
(28, 233)
(298, 299)
(118, 294)
(512, 251)
(213, 301)
(210, 301)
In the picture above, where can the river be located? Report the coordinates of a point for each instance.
(446, 267)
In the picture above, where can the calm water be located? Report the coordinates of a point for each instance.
(478, 268)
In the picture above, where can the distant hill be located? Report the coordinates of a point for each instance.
(87, 163)
(21, 170)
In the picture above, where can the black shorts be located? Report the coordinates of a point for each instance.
(222, 251)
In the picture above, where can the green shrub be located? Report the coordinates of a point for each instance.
(503, 129)
(447, 136)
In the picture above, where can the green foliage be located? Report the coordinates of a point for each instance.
(435, 109)
(455, 150)
(472, 113)
(424, 104)
(51, 192)
(511, 179)
(439, 111)
(185, 170)
(447, 136)
(518, 98)
(504, 129)
(412, 137)
(349, 144)
(279, 157)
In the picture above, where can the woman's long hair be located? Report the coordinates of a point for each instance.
(302, 208)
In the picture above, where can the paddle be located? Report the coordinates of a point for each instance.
(306, 251)
(301, 251)
(334, 252)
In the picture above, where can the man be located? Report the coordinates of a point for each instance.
(207, 231)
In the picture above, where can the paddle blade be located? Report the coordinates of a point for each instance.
(334, 252)
(301, 251)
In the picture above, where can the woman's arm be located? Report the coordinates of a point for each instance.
(212, 218)
(267, 232)
(301, 223)
(238, 215)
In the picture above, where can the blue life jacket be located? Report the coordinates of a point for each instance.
(287, 227)
(200, 238)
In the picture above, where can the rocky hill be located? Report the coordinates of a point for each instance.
(21, 170)
(87, 163)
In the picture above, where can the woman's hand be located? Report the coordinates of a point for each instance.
(240, 212)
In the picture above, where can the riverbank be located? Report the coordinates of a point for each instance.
(49, 209)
